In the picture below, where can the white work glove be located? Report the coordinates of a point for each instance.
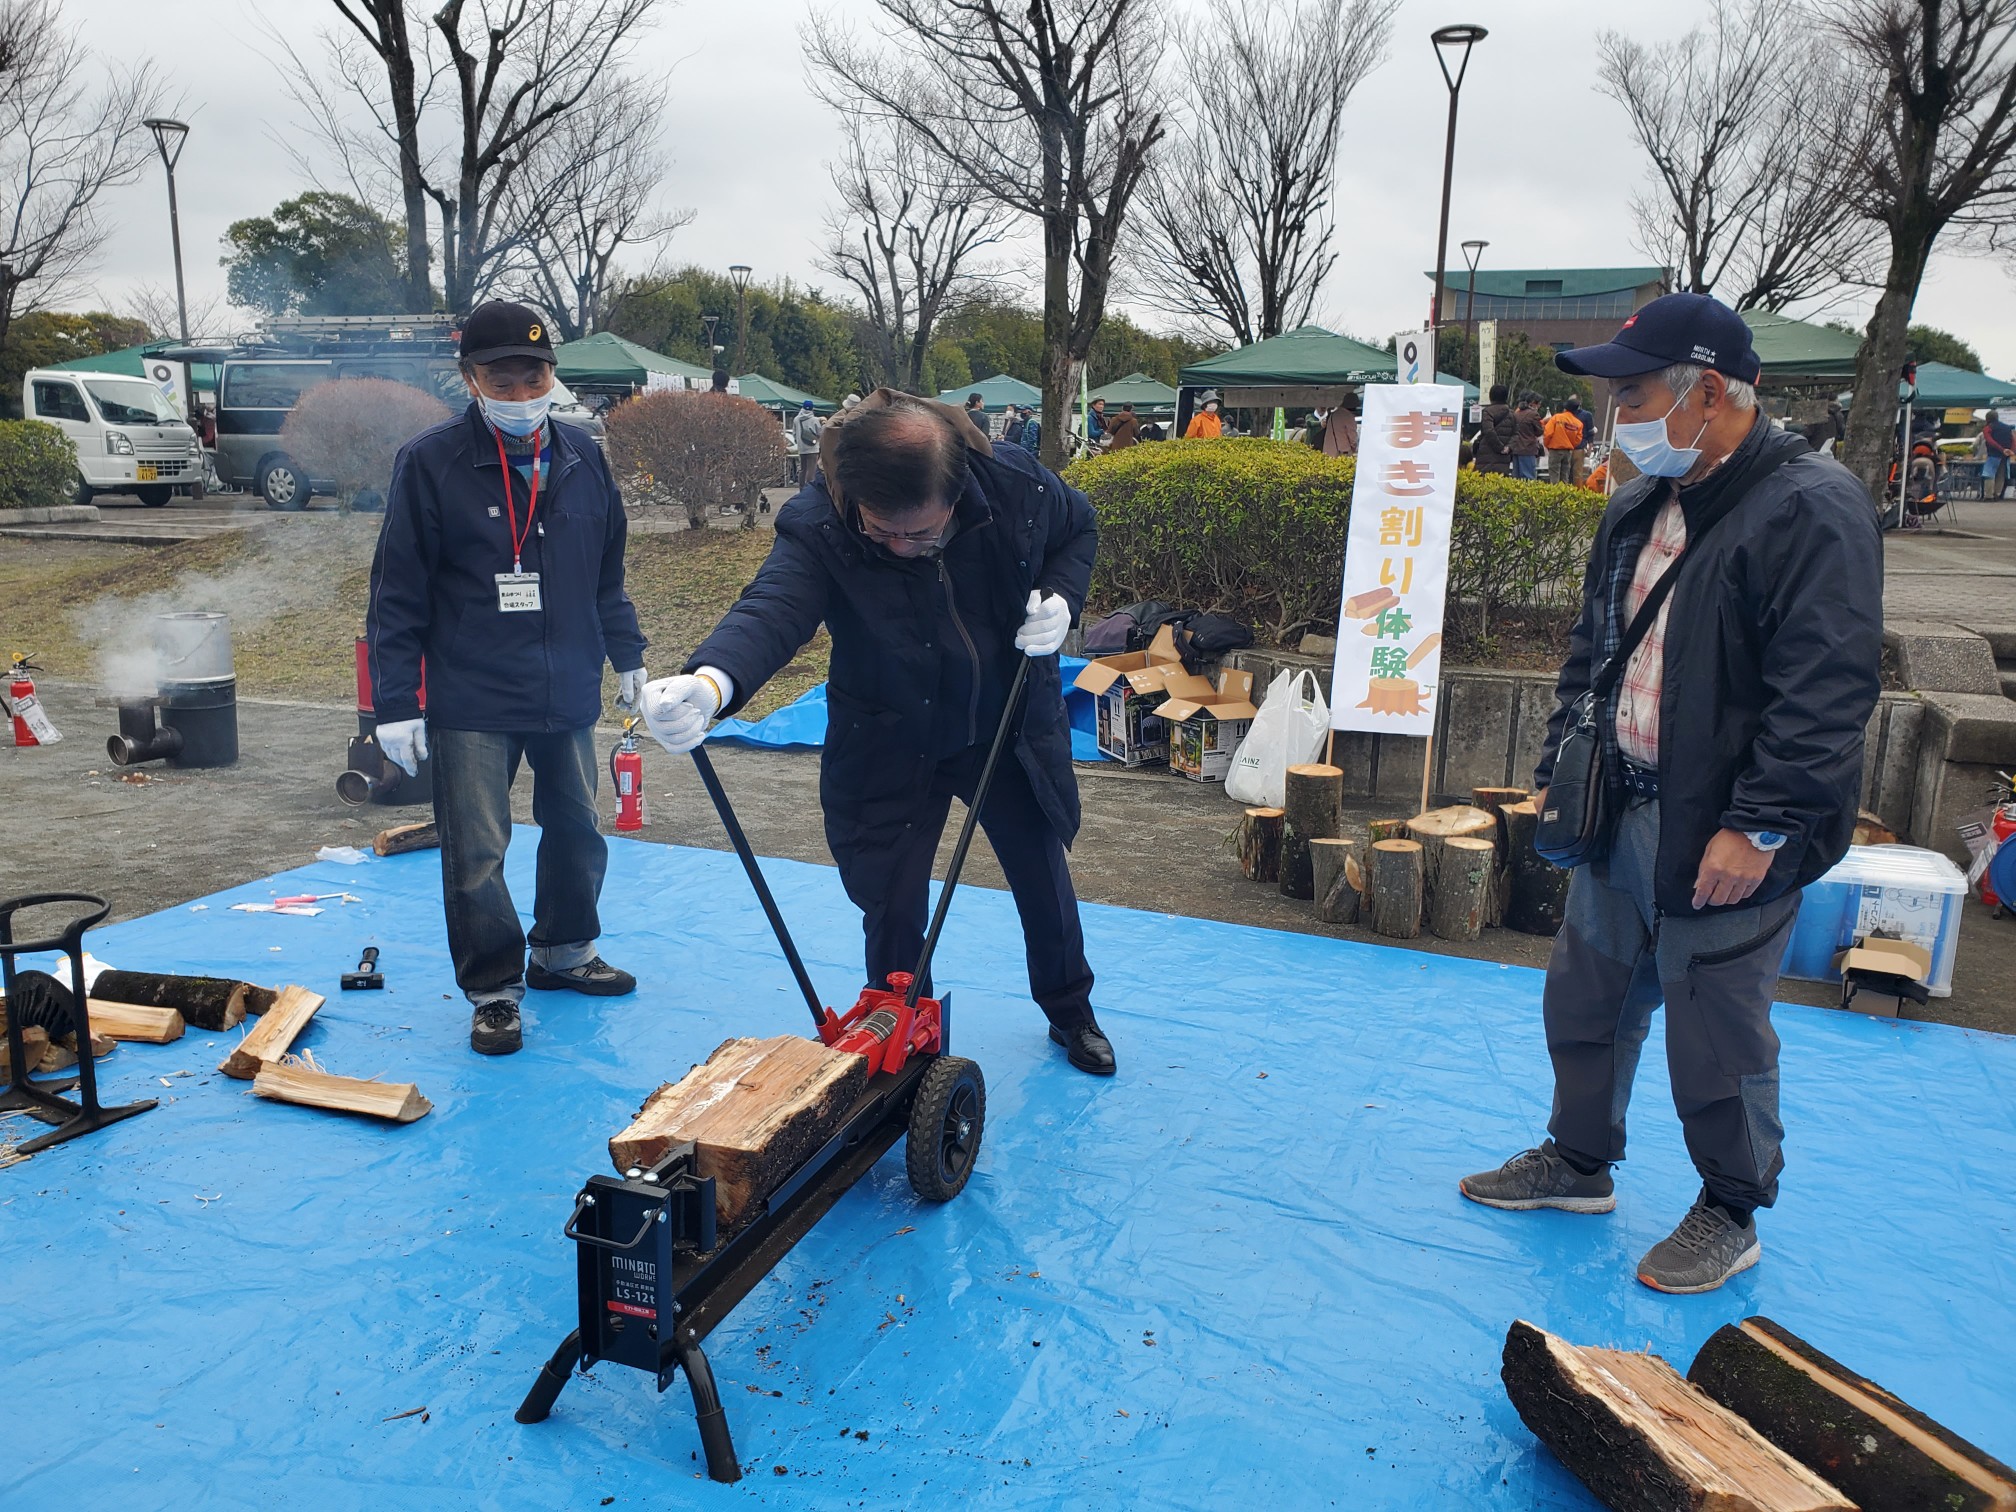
(629, 688)
(676, 709)
(1048, 622)
(404, 742)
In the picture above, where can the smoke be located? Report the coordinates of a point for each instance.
(293, 567)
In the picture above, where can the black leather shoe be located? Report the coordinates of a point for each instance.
(1087, 1048)
(596, 977)
(494, 1028)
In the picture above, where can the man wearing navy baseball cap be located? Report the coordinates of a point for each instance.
(1731, 712)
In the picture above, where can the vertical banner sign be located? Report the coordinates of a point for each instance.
(1487, 358)
(1414, 357)
(1396, 561)
(166, 377)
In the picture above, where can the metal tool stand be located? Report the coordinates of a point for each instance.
(38, 1098)
(654, 1281)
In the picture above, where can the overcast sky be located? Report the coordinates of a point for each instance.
(1544, 166)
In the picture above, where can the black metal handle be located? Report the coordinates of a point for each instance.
(740, 841)
(72, 933)
(370, 958)
(966, 832)
(585, 1202)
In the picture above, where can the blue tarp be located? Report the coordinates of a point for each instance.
(801, 724)
(1237, 1274)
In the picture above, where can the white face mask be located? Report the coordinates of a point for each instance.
(1652, 451)
(516, 417)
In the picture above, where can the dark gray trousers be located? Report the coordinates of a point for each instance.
(1614, 962)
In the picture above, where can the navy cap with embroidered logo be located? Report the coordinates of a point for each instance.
(498, 329)
(1695, 328)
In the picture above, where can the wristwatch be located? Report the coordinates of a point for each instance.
(1765, 840)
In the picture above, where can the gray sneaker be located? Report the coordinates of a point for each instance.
(1707, 1249)
(1541, 1179)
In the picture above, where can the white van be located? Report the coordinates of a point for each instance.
(129, 437)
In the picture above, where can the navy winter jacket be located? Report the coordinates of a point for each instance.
(1774, 632)
(446, 536)
(923, 649)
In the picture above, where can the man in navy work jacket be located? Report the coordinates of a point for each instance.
(1735, 735)
(935, 559)
(501, 562)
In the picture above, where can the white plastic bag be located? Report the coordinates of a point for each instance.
(1294, 721)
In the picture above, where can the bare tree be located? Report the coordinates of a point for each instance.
(1236, 205)
(153, 305)
(396, 112)
(1048, 107)
(904, 240)
(588, 190)
(62, 145)
(1943, 157)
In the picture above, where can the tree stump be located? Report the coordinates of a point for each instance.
(1259, 844)
(1463, 886)
(1434, 829)
(1537, 890)
(1313, 810)
(1385, 829)
(1338, 880)
(1396, 888)
(1493, 800)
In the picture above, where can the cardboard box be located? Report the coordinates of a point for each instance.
(1126, 691)
(1206, 722)
(1877, 893)
(1875, 974)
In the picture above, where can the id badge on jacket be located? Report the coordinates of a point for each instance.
(518, 592)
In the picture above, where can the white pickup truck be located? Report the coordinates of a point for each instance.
(128, 435)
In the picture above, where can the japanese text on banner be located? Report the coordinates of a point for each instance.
(1396, 561)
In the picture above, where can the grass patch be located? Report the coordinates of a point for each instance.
(297, 589)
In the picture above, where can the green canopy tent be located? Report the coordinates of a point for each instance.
(1944, 387)
(1306, 368)
(996, 393)
(130, 362)
(1149, 396)
(605, 361)
(772, 394)
(1797, 353)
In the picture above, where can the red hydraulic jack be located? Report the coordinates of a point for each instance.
(653, 1277)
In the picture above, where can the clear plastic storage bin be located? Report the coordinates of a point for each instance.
(1900, 890)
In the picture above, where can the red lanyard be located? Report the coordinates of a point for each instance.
(517, 540)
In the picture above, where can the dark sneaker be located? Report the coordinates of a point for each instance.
(1541, 1179)
(494, 1028)
(596, 977)
(1707, 1249)
(1087, 1048)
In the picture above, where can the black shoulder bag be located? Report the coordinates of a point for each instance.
(1581, 811)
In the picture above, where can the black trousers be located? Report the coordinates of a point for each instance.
(891, 883)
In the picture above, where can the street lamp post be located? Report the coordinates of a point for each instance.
(1473, 252)
(739, 274)
(1448, 39)
(169, 137)
(710, 322)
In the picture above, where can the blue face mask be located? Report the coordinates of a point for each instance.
(516, 417)
(1652, 451)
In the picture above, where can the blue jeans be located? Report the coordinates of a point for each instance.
(473, 774)
(1526, 467)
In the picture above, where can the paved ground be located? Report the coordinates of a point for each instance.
(1962, 578)
(1150, 841)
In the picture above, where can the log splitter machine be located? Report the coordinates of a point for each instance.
(654, 1278)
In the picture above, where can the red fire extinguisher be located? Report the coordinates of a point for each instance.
(31, 720)
(626, 775)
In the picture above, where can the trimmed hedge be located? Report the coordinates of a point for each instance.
(1256, 529)
(38, 465)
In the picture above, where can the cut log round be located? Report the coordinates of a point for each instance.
(1396, 888)
(1463, 887)
(1313, 810)
(1437, 827)
(1338, 877)
(1644, 1440)
(1386, 829)
(1536, 896)
(212, 1003)
(1885, 1455)
(1493, 801)
(1260, 844)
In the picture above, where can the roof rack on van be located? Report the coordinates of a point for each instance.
(431, 327)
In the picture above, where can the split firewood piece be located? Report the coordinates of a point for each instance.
(1434, 829)
(1463, 885)
(1882, 1452)
(754, 1110)
(61, 1053)
(213, 1003)
(134, 1021)
(1259, 843)
(302, 1081)
(34, 1046)
(1871, 830)
(274, 1034)
(401, 838)
(1396, 888)
(1536, 896)
(1313, 810)
(1643, 1440)
(1337, 880)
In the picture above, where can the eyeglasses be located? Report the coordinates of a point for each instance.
(905, 537)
